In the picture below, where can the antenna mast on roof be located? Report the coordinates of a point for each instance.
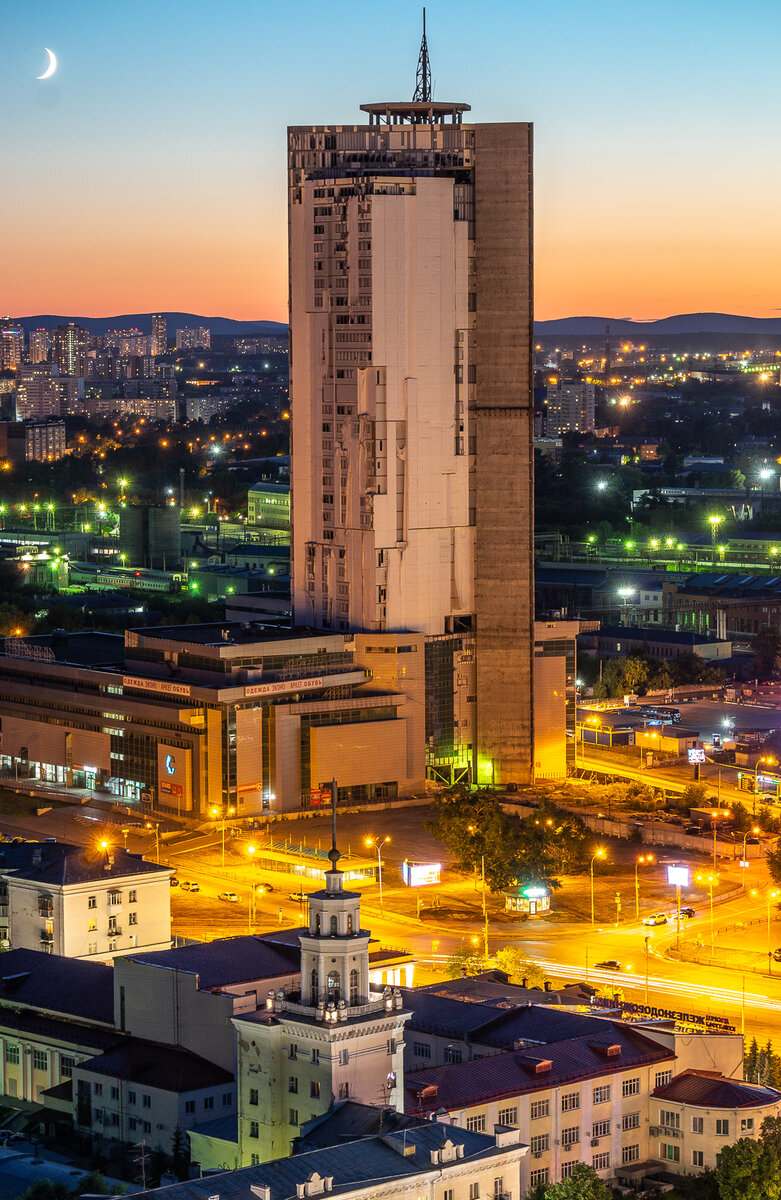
(333, 853)
(423, 77)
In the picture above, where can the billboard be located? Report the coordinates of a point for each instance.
(420, 874)
(678, 876)
(696, 755)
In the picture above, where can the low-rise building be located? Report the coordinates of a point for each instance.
(82, 903)
(613, 641)
(697, 1113)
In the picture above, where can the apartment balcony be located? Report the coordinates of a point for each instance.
(112, 933)
(47, 937)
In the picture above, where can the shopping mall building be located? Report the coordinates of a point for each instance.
(186, 720)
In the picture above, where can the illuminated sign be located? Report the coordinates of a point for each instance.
(156, 685)
(706, 1024)
(420, 874)
(534, 893)
(286, 685)
(678, 876)
(696, 755)
(170, 765)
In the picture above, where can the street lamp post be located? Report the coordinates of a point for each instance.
(644, 858)
(599, 854)
(714, 523)
(755, 829)
(771, 896)
(156, 826)
(710, 880)
(377, 845)
(225, 814)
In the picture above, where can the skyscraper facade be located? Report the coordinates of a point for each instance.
(159, 343)
(39, 345)
(69, 345)
(570, 408)
(411, 383)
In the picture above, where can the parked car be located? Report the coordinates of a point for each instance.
(656, 919)
(173, 881)
(188, 885)
(777, 955)
(299, 897)
(229, 897)
(693, 830)
(610, 964)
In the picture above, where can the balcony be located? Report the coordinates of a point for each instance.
(114, 932)
(47, 936)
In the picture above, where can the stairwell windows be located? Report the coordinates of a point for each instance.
(353, 986)
(332, 927)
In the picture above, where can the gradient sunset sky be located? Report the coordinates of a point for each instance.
(149, 173)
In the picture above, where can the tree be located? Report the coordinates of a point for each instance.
(773, 860)
(750, 1062)
(749, 1170)
(770, 1133)
(180, 1156)
(703, 1186)
(636, 675)
(517, 967)
(767, 647)
(583, 1184)
(93, 1184)
(464, 961)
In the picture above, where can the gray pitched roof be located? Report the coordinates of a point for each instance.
(58, 863)
(152, 1064)
(227, 960)
(56, 984)
(350, 1164)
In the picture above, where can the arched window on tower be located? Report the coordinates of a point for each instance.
(315, 986)
(349, 923)
(333, 926)
(353, 986)
(317, 924)
(334, 986)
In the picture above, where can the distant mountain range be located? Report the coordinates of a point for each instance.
(684, 323)
(143, 321)
(593, 327)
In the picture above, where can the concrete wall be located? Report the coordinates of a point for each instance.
(503, 480)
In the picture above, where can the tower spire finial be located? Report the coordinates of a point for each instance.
(423, 77)
(333, 853)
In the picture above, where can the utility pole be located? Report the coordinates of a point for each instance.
(141, 1160)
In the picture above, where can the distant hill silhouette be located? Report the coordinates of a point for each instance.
(684, 323)
(143, 321)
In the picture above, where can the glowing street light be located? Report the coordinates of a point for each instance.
(599, 854)
(644, 859)
(377, 844)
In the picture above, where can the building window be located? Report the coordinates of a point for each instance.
(570, 1137)
(447, 1194)
(92, 925)
(226, 1099)
(421, 1050)
(97, 1089)
(698, 1124)
(131, 1097)
(146, 1126)
(344, 1058)
(189, 1106)
(131, 896)
(292, 1050)
(292, 1085)
(602, 1094)
(353, 986)
(66, 1066)
(11, 1053)
(631, 1087)
(255, 1160)
(662, 1078)
(630, 1154)
(722, 1127)
(344, 1091)
(293, 1116)
(671, 1153)
(698, 1158)
(540, 1143)
(334, 986)
(132, 918)
(114, 1092)
(253, 1097)
(208, 1102)
(567, 1168)
(453, 1054)
(539, 1108)
(508, 1116)
(146, 1100)
(315, 986)
(92, 902)
(541, 1175)
(474, 1189)
(570, 1101)
(314, 1089)
(316, 1057)
(601, 1162)
(600, 1129)
(476, 1124)
(131, 1123)
(630, 1120)
(499, 1186)
(671, 1119)
(747, 1125)
(254, 1129)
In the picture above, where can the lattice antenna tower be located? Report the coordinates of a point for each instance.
(423, 77)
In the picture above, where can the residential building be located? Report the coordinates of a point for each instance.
(268, 506)
(39, 345)
(423, 1162)
(412, 411)
(150, 536)
(193, 339)
(42, 392)
(11, 344)
(203, 408)
(697, 1113)
(32, 441)
(69, 346)
(81, 903)
(181, 719)
(159, 340)
(570, 408)
(612, 641)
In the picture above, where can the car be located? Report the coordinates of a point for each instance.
(777, 955)
(188, 885)
(656, 919)
(173, 881)
(693, 830)
(263, 886)
(229, 897)
(610, 964)
(299, 897)
(687, 911)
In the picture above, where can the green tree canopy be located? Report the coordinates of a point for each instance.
(749, 1170)
(583, 1184)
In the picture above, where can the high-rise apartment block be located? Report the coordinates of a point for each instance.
(39, 345)
(11, 344)
(42, 392)
(69, 345)
(411, 366)
(193, 339)
(570, 408)
(159, 344)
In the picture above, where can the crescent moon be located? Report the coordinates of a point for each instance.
(52, 67)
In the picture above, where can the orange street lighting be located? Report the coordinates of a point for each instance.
(599, 854)
(644, 859)
(377, 844)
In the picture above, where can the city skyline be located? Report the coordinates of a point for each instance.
(148, 172)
